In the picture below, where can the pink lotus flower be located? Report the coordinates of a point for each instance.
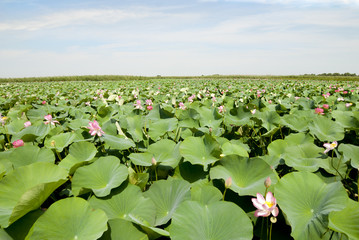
(348, 104)
(182, 106)
(138, 104)
(330, 146)
(265, 206)
(95, 129)
(221, 109)
(253, 111)
(149, 102)
(43, 102)
(27, 124)
(48, 119)
(319, 111)
(18, 143)
(325, 106)
(149, 107)
(228, 182)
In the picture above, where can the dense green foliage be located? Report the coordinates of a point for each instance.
(179, 159)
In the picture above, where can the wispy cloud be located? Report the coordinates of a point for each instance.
(296, 2)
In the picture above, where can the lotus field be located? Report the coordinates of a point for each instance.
(179, 159)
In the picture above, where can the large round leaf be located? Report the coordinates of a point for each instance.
(119, 143)
(205, 194)
(326, 130)
(216, 221)
(161, 126)
(70, 218)
(30, 154)
(105, 174)
(350, 152)
(125, 230)
(347, 220)
(60, 141)
(167, 195)
(128, 204)
(79, 153)
(26, 188)
(307, 201)
(200, 150)
(248, 175)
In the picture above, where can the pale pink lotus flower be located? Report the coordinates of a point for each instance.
(270, 101)
(348, 104)
(228, 182)
(214, 99)
(95, 129)
(265, 206)
(138, 104)
(18, 143)
(340, 99)
(296, 98)
(325, 106)
(190, 99)
(182, 106)
(267, 182)
(221, 109)
(27, 124)
(48, 119)
(319, 111)
(330, 146)
(149, 102)
(253, 111)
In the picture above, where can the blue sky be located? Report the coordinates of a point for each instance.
(172, 37)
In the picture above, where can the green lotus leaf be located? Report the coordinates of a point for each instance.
(139, 179)
(125, 230)
(119, 143)
(345, 119)
(78, 123)
(60, 141)
(33, 133)
(308, 204)
(160, 127)
(166, 152)
(205, 194)
(270, 119)
(237, 116)
(350, 152)
(217, 221)
(200, 150)
(188, 118)
(248, 174)
(129, 204)
(347, 220)
(28, 154)
(70, 218)
(79, 153)
(296, 122)
(234, 147)
(26, 188)
(134, 127)
(167, 195)
(20, 228)
(15, 126)
(326, 130)
(209, 117)
(4, 235)
(106, 173)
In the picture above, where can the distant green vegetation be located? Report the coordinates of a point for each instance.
(322, 76)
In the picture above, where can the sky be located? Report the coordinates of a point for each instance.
(178, 37)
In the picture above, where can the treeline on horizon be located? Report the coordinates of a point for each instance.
(322, 76)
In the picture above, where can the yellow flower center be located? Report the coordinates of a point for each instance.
(269, 204)
(333, 145)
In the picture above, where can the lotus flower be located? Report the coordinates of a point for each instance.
(149, 107)
(330, 146)
(18, 143)
(95, 129)
(265, 206)
(138, 104)
(319, 111)
(182, 106)
(221, 109)
(48, 119)
(27, 124)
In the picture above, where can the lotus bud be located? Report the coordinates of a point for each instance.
(228, 182)
(153, 161)
(267, 182)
